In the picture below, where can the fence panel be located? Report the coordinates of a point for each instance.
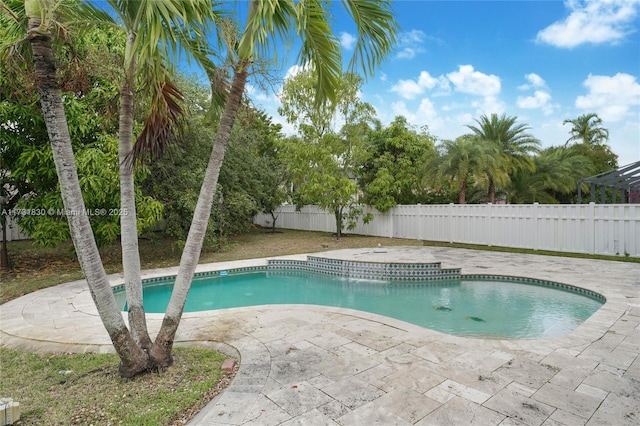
(609, 229)
(13, 231)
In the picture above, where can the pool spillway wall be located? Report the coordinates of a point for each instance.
(370, 270)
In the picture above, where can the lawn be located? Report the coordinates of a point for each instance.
(83, 389)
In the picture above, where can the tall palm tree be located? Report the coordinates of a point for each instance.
(154, 31)
(463, 160)
(514, 144)
(41, 27)
(587, 129)
(267, 22)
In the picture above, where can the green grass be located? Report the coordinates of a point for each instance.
(86, 388)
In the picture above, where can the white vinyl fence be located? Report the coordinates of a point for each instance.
(13, 231)
(608, 229)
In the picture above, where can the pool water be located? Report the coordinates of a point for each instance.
(479, 308)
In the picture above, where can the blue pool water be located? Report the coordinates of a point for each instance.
(480, 308)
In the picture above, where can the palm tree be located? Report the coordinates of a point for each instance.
(40, 29)
(557, 169)
(268, 21)
(513, 143)
(588, 130)
(153, 31)
(463, 160)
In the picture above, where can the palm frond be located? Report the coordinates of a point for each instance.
(321, 48)
(377, 31)
(162, 125)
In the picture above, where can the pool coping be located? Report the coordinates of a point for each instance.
(64, 318)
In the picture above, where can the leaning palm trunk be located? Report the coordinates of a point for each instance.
(133, 359)
(161, 350)
(128, 225)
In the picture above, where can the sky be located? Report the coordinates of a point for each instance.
(540, 61)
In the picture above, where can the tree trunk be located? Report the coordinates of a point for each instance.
(462, 195)
(492, 191)
(4, 256)
(338, 215)
(161, 349)
(133, 360)
(128, 225)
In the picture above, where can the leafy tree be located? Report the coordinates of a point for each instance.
(246, 178)
(514, 145)
(391, 174)
(588, 130)
(255, 140)
(462, 161)
(27, 161)
(322, 162)
(266, 21)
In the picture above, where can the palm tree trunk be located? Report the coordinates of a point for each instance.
(161, 350)
(133, 360)
(128, 225)
(492, 191)
(462, 195)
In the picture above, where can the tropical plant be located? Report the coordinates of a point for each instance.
(462, 161)
(514, 146)
(587, 129)
(267, 21)
(557, 170)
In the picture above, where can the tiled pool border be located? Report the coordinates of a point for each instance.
(402, 272)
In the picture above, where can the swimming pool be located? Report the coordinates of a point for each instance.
(469, 306)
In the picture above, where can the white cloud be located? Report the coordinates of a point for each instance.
(295, 70)
(534, 81)
(347, 40)
(408, 53)
(412, 37)
(489, 105)
(410, 89)
(467, 80)
(611, 97)
(425, 114)
(592, 21)
(538, 100)
(410, 44)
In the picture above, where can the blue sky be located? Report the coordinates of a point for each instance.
(542, 61)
